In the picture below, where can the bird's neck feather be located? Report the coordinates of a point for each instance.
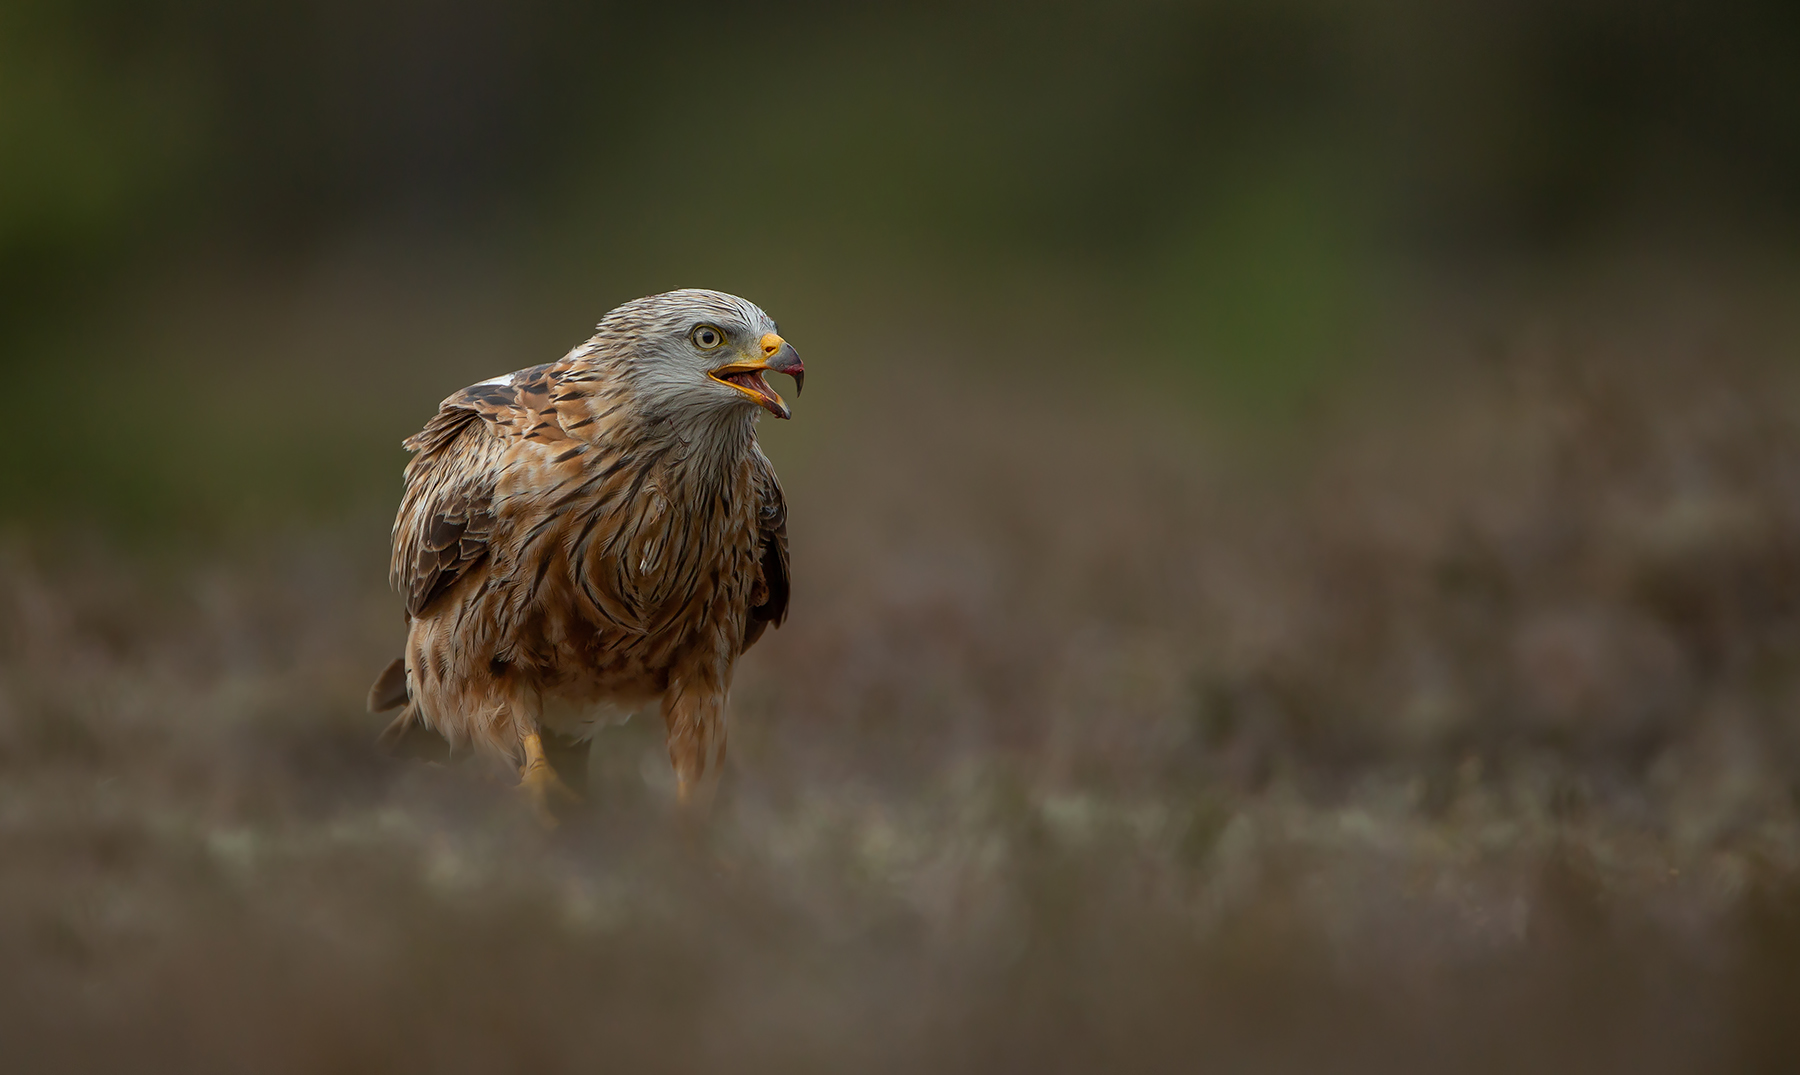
(699, 438)
(705, 443)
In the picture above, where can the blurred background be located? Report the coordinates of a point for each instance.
(1296, 533)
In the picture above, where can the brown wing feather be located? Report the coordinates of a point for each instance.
(447, 515)
(447, 520)
(771, 597)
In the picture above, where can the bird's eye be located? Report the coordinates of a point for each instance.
(706, 337)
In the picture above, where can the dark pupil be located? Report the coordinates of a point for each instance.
(707, 337)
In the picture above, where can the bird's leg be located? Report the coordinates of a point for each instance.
(694, 717)
(539, 782)
(568, 756)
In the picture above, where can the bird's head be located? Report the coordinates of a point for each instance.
(696, 350)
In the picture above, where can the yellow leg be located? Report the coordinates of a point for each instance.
(696, 730)
(539, 782)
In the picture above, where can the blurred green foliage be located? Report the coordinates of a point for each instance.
(89, 134)
(1256, 191)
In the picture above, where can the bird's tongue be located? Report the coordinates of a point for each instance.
(752, 380)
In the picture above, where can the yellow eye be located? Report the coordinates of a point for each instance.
(706, 337)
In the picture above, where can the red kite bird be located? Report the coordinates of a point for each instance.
(582, 538)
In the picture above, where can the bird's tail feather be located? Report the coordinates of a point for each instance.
(389, 690)
(407, 734)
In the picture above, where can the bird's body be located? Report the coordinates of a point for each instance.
(589, 536)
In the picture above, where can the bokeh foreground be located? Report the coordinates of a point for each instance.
(1459, 735)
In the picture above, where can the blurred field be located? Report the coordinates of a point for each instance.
(1296, 536)
(1460, 736)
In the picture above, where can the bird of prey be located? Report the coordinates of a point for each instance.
(582, 538)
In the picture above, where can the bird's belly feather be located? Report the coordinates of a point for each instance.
(594, 629)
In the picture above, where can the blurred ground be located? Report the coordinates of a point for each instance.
(1463, 735)
(1296, 535)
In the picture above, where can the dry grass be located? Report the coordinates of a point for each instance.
(1468, 745)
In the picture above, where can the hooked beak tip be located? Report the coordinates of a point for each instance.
(780, 357)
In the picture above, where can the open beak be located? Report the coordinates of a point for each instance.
(778, 356)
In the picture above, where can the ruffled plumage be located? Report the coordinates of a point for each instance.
(576, 541)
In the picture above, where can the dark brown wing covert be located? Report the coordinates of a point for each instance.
(771, 524)
(446, 519)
